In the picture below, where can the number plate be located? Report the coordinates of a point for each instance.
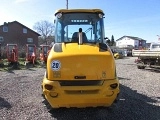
(57, 74)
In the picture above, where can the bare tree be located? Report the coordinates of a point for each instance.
(45, 29)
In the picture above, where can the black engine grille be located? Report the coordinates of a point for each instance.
(81, 82)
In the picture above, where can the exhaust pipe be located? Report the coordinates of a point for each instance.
(80, 36)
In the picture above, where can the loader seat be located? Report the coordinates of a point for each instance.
(75, 37)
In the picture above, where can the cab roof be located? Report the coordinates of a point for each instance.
(79, 11)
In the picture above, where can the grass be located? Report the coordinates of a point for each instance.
(21, 65)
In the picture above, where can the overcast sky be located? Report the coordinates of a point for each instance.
(138, 18)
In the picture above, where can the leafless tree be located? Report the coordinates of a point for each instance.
(45, 29)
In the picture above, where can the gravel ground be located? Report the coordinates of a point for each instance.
(20, 97)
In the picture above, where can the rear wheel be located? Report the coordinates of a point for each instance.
(13, 65)
(46, 103)
(140, 67)
(1, 65)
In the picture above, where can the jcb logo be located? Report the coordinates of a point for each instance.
(103, 74)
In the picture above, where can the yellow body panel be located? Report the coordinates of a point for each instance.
(96, 68)
(81, 96)
(81, 60)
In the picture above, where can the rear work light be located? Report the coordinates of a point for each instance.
(48, 87)
(114, 85)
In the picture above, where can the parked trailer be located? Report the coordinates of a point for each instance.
(150, 58)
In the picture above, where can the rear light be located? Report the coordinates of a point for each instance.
(53, 94)
(114, 85)
(48, 87)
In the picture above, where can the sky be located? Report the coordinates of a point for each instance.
(138, 18)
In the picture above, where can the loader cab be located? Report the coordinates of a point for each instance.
(154, 46)
(30, 54)
(12, 55)
(79, 27)
(12, 52)
(44, 51)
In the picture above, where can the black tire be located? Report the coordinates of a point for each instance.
(139, 67)
(46, 103)
(1, 65)
(142, 67)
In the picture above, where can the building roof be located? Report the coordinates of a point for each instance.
(21, 25)
(135, 38)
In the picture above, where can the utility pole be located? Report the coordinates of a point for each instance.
(67, 25)
(158, 37)
(66, 4)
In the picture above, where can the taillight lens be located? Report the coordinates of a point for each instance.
(114, 85)
(48, 87)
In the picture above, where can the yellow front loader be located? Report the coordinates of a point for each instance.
(81, 70)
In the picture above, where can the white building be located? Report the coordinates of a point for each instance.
(130, 41)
